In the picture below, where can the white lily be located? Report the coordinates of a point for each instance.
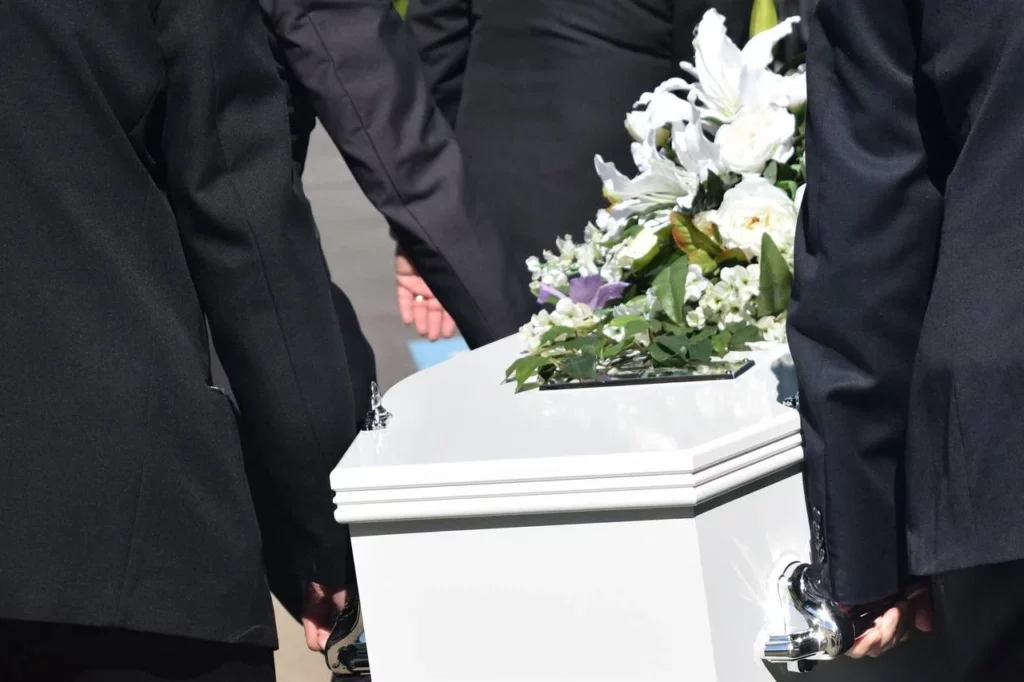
(728, 78)
(662, 108)
(694, 151)
(662, 183)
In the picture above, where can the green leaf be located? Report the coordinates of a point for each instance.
(585, 343)
(670, 289)
(688, 238)
(771, 172)
(636, 327)
(660, 355)
(720, 343)
(788, 186)
(524, 368)
(741, 334)
(613, 349)
(673, 328)
(677, 345)
(709, 194)
(732, 257)
(700, 351)
(555, 333)
(776, 280)
(707, 263)
(582, 366)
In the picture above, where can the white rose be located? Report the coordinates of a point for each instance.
(754, 138)
(750, 210)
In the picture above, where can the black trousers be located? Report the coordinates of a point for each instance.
(40, 652)
(979, 616)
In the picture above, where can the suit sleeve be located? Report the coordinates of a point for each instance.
(358, 63)
(443, 31)
(255, 259)
(865, 259)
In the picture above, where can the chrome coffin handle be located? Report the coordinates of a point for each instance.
(377, 418)
(830, 631)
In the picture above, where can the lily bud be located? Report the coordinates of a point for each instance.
(763, 16)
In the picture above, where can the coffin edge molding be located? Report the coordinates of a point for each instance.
(684, 486)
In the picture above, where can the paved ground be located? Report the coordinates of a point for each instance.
(360, 254)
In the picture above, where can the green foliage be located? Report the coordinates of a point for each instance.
(670, 289)
(776, 280)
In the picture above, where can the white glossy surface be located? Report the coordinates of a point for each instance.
(460, 437)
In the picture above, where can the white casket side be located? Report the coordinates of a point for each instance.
(611, 533)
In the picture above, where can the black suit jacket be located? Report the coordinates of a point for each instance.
(906, 316)
(147, 183)
(353, 65)
(536, 88)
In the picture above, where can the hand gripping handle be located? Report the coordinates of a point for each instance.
(830, 631)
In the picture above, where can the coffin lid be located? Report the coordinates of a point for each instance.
(461, 444)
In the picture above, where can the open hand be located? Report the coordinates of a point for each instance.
(321, 607)
(417, 303)
(912, 612)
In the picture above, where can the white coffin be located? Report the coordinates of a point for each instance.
(613, 533)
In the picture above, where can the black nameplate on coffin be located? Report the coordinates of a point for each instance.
(712, 371)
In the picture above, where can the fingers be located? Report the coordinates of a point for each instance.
(310, 630)
(417, 306)
(403, 266)
(885, 634)
(447, 326)
(405, 304)
(865, 644)
(922, 608)
(435, 317)
(419, 314)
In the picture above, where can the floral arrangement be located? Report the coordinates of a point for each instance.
(693, 257)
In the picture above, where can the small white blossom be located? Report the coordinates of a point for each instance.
(696, 284)
(532, 331)
(696, 319)
(634, 306)
(773, 328)
(572, 315)
(743, 280)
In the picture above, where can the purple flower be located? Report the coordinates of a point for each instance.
(591, 290)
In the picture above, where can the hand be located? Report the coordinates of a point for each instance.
(417, 303)
(321, 607)
(912, 612)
